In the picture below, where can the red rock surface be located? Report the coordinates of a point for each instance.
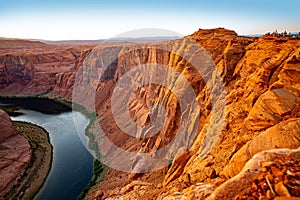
(269, 174)
(262, 89)
(261, 78)
(262, 113)
(15, 154)
(30, 68)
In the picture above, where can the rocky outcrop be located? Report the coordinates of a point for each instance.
(267, 175)
(256, 108)
(15, 154)
(29, 68)
(261, 80)
(262, 113)
(17, 70)
(272, 174)
(283, 134)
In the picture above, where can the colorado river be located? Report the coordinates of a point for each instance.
(72, 164)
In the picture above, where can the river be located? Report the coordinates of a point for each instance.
(72, 164)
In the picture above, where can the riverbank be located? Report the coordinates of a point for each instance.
(99, 170)
(37, 170)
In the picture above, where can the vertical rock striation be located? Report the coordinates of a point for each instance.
(256, 109)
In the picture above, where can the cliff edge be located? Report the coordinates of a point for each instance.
(15, 154)
(256, 108)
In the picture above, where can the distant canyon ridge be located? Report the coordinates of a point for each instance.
(259, 110)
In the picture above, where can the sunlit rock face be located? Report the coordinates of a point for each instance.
(255, 109)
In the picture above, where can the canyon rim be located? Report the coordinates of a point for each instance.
(176, 119)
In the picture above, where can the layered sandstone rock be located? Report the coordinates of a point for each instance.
(272, 174)
(268, 174)
(261, 79)
(29, 68)
(15, 154)
(262, 113)
(256, 108)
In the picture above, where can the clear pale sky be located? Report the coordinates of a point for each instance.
(98, 19)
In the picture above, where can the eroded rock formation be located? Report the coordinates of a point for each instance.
(15, 154)
(255, 109)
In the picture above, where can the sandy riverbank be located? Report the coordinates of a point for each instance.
(39, 166)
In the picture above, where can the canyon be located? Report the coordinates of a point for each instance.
(244, 118)
(15, 154)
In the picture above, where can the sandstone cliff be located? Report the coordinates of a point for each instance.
(15, 154)
(256, 108)
(30, 68)
(261, 81)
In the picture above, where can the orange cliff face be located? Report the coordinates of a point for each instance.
(262, 113)
(261, 79)
(258, 111)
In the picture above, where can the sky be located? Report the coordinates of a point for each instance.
(98, 19)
